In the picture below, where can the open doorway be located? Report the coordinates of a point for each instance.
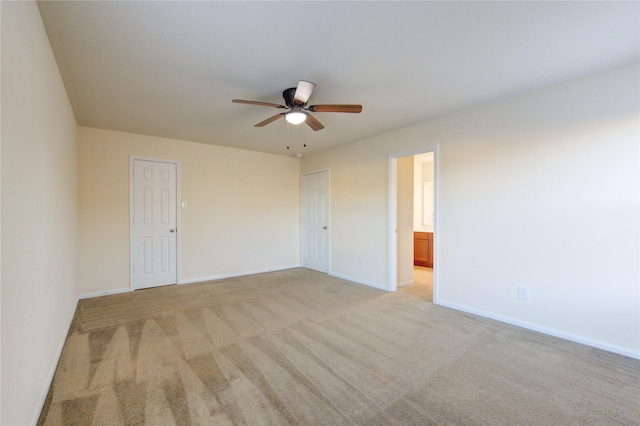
(412, 226)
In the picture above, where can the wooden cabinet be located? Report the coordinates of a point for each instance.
(423, 249)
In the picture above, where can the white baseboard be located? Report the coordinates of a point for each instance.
(193, 280)
(359, 281)
(545, 330)
(104, 293)
(54, 367)
(237, 274)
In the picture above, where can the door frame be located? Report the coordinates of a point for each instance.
(132, 159)
(302, 175)
(393, 216)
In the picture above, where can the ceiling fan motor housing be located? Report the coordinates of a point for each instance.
(288, 95)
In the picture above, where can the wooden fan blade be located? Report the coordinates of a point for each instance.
(303, 92)
(336, 108)
(269, 120)
(313, 123)
(241, 101)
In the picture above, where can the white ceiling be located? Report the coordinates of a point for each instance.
(171, 69)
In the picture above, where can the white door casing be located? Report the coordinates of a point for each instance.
(154, 223)
(315, 221)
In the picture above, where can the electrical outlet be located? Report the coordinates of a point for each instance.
(361, 262)
(523, 293)
(249, 256)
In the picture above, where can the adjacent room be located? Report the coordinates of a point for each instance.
(449, 234)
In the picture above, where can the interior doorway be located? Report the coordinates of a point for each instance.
(413, 222)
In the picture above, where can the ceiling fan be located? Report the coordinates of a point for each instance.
(295, 100)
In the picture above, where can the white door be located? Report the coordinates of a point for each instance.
(154, 233)
(315, 221)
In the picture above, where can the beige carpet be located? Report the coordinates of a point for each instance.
(301, 347)
(422, 286)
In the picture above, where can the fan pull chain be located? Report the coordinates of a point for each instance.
(304, 138)
(288, 135)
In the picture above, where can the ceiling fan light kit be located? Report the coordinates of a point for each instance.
(295, 116)
(296, 100)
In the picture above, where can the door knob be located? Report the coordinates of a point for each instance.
(324, 227)
(172, 230)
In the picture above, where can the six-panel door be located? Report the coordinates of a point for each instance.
(154, 222)
(315, 222)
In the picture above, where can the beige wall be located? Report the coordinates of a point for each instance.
(539, 190)
(238, 202)
(39, 213)
(359, 217)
